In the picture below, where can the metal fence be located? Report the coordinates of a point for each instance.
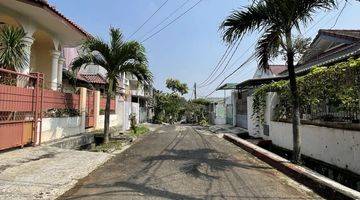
(23, 103)
(20, 106)
(331, 113)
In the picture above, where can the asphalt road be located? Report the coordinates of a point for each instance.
(177, 162)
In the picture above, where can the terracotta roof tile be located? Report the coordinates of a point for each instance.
(92, 78)
(277, 69)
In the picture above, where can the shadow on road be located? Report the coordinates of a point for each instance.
(199, 161)
(184, 157)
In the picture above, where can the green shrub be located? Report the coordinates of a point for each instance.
(139, 130)
(204, 123)
(337, 85)
(61, 112)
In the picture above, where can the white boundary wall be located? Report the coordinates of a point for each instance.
(135, 108)
(57, 128)
(114, 120)
(334, 146)
(254, 128)
(337, 147)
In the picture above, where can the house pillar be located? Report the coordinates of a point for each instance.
(234, 97)
(54, 69)
(28, 43)
(97, 110)
(82, 107)
(60, 70)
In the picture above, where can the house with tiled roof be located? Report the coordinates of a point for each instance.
(328, 47)
(48, 34)
(40, 103)
(236, 105)
(274, 70)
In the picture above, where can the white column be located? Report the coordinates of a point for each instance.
(54, 69)
(60, 70)
(234, 96)
(28, 43)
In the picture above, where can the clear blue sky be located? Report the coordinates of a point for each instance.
(189, 48)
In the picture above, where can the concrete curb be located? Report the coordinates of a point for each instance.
(319, 183)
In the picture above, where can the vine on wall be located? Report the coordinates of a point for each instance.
(337, 85)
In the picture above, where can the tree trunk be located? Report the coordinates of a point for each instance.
(295, 99)
(107, 112)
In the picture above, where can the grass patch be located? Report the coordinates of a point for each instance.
(111, 146)
(140, 130)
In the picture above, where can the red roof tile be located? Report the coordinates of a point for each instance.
(92, 78)
(277, 69)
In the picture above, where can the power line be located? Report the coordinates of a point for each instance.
(244, 63)
(234, 63)
(340, 13)
(223, 71)
(254, 54)
(178, 17)
(216, 66)
(220, 63)
(148, 19)
(166, 18)
(311, 27)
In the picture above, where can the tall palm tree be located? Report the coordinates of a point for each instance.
(276, 19)
(12, 48)
(117, 57)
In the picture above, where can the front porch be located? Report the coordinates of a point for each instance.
(48, 35)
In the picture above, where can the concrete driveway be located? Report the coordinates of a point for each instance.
(177, 162)
(44, 172)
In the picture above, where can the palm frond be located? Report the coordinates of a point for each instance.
(81, 61)
(241, 22)
(12, 48)
(120, 57)
(116, 39)
(304, 9)
(140, 71)
(97, 46)
(268, 46)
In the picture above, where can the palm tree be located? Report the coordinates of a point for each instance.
(117, 57)
(276, 19)
(12, 48)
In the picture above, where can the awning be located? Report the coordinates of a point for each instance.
(228, 86)
(259, 81)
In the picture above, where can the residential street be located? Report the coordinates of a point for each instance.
(176, 162)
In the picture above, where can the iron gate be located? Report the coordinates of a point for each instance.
(20, 103)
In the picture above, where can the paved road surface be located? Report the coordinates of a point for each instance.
(179, 163)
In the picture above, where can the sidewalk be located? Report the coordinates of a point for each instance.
(44, 172)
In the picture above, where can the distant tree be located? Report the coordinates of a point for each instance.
(176, 86)
(117, 57)
(276, 19)
(197, 110)
(301, 44)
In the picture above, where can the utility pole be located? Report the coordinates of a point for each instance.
(195, 90)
